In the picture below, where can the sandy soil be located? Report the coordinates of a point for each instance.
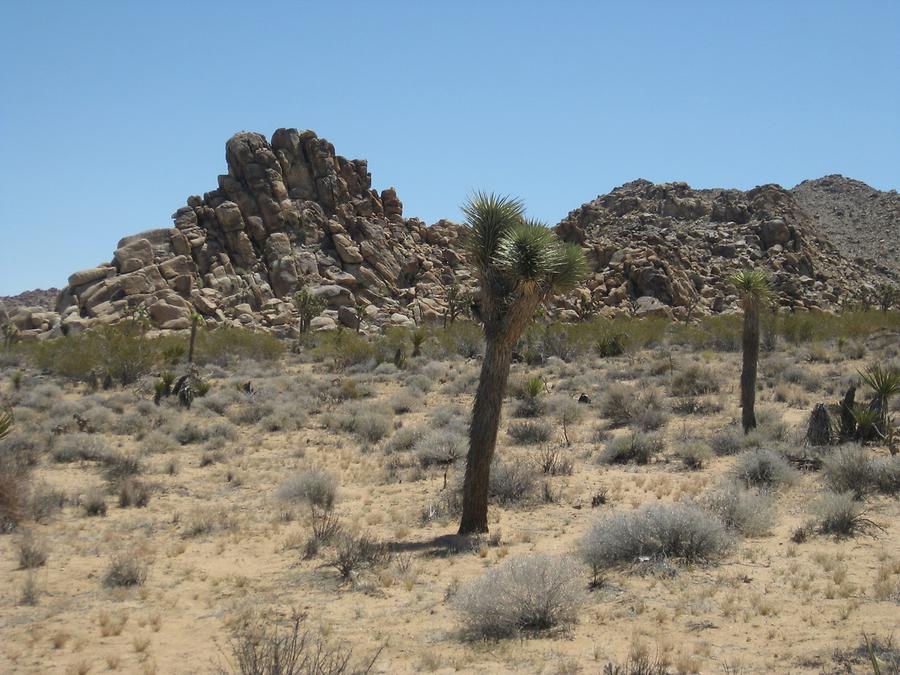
(771, 605)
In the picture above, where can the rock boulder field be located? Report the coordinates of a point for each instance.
(290, 213)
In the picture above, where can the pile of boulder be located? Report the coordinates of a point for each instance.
(668, 250)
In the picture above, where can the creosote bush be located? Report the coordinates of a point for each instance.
(657, 531)
(527, 593)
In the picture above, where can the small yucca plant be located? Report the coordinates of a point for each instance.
(534, 387)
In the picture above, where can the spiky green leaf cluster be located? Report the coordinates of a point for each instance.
(502, 243)
(752, 284)
(6, 422)
(885, 382)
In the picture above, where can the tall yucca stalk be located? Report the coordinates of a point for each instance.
(754, 289)
(518, 263)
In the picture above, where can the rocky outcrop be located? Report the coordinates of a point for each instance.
(289, 213)
(678, 246)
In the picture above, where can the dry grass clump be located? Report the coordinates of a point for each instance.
(853, 469)
(32, 552)
(314, 487)
(370, 423)
(750, 512)
(511, 482)
(125, 570)
(695, 380)
(80, 447)
(637, 447)
(617, 405)
(94, 502)
(842, 515)
(14, 492)
(133, 493)
(353, 553)
(531, 432)
(763, 468)
(526, 593)
(440, 447)
(657, 531)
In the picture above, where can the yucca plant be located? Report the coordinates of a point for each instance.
(534, 387)
(519, 263)
(884, 382)
(754, 289)
(866, 419)
(6, 422)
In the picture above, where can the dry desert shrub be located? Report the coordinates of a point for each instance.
(125, 570)
(79, 447)
(314, 487)
(854, 469)
(527, 593)
(695, 380)
(530, 432)
(264, 648)
(656, 531)
(637, 447)
(32, 552)
(441, 447)
(14, 494)
(842, 515)
(763, 468)
(750, 512)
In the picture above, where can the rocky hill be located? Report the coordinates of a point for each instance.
(290, 213)
(860, 220)
(668, 249)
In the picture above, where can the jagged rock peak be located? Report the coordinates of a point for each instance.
(289, 213)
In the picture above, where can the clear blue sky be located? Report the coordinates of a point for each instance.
(113, 112)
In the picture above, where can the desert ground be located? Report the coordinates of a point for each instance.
(159, 539)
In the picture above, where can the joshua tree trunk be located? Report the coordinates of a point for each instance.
(193, 338)
(500, 337)
(748, 370)
(483, 433)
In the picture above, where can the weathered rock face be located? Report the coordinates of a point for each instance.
(289, 213)
(679, 245)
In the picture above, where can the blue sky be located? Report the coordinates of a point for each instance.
(112, 113)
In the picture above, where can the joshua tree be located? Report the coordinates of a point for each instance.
(518, 263)
(753, 287)
(309, 306)
(195, 321)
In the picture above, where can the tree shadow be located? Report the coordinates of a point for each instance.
(439, 547)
